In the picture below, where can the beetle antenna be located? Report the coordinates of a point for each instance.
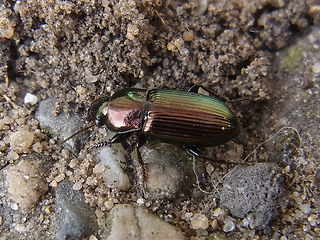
(76, 133)
(100, 145)
(238, 100)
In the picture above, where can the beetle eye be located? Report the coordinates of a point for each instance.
(97, 121)
(100, 121)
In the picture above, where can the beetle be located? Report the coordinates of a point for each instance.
(190, 119)
(187, 118)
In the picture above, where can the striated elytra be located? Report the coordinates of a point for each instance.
(186, 118)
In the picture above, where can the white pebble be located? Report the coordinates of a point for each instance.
(112, 160)
(249, 220)
(12, 155)
(313, 220)
(109, 204)
(229, 226)
(99, 168)
(316, 67)
(188, 215)
(77, 186)
(140, 201)
(306, 208)
(218, 212)
(14, 206)
(199, 220)
(92, 237)
(30, 98)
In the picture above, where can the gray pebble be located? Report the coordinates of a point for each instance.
(256, 189)
(168, 170)
(59, 126)
(75, 218)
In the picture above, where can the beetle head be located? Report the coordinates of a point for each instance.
(95, 112)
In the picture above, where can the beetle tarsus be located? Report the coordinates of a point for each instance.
(195, 89)
(195, 152)
(100, 145)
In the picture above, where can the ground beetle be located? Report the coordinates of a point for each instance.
(185, 118)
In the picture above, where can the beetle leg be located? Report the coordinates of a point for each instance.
(142, 170)
(118, 138)
(193, 151)
(195, 89)
(196, 153)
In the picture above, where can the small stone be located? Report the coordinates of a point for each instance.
(6, 28)
(199, 220)
(62, 125)
(188, 215)
(7, 120)
(92, 237)
(92, 181)
(12, 155)
(75, 217)
(99, 213)
(21, 140)
(65, 153)
(313, 220)
(229, 226)
(37, 147)
(111, 163)
(295, 195)
(99, 168)
(130, 222)
(214, 224)
(287, 169)
(25, 183)
(316, 67)
(171, 46)
(254, 189)
(219, 212)
(201, 232)
(140, 201)
(30, 98)
(109, 204)
(47, 209)
(60, 177)
(21, 121)
(188, 36)
(132, 31)
(308, 237)
(54, 184)
(168, 172)
(249, 220)
(73, 163)
(81, 91)
(306, 208)
(209, 168)
(14, 206)
(77, 186)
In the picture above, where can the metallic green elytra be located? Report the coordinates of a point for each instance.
(185, 118)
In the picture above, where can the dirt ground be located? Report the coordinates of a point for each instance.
(260, 56)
